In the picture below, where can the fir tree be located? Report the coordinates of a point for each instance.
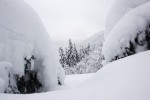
(70, 55)
(62, 57)
(76, 55)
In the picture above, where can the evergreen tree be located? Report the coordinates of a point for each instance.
(76, 55)
(70, 55)
(28, 83)
(142, 40)
(62, 57)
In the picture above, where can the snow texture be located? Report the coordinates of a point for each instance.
(4, 72)
(118, 10)
(125, 79)
(22, 34)
(125, 30)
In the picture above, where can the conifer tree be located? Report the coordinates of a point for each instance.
(76, 55)
(62, 57)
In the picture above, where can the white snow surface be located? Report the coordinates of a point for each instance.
(73, 81)
(118, 10)
(22, 34)
(126, 29)
(125, 79)
(4, 72)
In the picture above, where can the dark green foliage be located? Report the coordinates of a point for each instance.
(63, 57)
(28, 83)
(147, 39)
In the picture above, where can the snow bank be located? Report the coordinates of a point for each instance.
(118, 10)
(22, 34)
(126, 30)
(125, 79)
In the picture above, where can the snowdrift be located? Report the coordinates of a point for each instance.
(125, 79)
(22, 35)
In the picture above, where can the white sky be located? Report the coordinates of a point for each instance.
(76, 19)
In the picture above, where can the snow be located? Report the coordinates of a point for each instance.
(4, 72)
(118, 10)
(125, 79)
(126, 29)
(95, 38)
(92, 62)
(72, 81)
(2, 85)
(22, 34)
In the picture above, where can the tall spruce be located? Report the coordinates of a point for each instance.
(62, 57)
(70, 54)
(76, 54)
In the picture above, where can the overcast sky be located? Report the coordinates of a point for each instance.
(76, 19)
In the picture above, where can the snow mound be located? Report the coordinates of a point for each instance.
(118, 10)
(125, 79)
(126, 30)
(22, 34)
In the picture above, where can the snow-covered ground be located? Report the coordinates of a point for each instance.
(75, 80)
(125, 79)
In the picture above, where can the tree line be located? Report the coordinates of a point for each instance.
(71, 56)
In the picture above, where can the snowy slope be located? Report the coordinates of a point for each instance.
(125, 30)
(125, 79)
(76, 79)
(118, 10)
(22, 34)
(97, 37)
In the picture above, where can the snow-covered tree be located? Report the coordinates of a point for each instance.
(62, 57)
(129, 36)
(76, 54)
(71, 56)
(22, 35)
(93, 61)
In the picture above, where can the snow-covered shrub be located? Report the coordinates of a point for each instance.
(129, 36)
(22, 35)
